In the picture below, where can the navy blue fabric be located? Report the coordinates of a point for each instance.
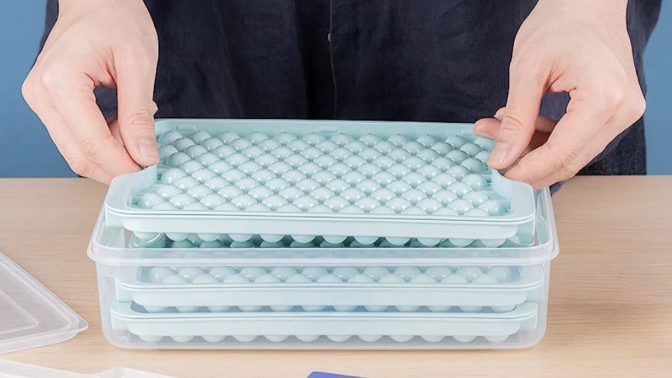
(430, 60)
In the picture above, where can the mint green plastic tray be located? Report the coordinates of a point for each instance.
(334, 179)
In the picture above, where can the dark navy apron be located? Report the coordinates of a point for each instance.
(430, 60)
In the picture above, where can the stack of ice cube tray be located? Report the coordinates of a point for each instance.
(303, 234)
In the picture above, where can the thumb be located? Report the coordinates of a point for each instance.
(135, 89)
(519, 118)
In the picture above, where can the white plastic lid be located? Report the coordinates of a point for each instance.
(9, 369)
(30, 315)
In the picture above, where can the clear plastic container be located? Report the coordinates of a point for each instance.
(30, 315)
(153, 297)
(10, 369)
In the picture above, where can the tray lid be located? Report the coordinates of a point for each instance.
(30, 315)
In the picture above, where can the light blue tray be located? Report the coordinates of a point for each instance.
(321, 330)
(332, 179)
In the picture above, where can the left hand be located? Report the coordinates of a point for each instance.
(575, 46)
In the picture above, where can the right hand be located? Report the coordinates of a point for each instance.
(98, 43)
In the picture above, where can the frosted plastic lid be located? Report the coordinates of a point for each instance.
(9, 369)
(30, 315)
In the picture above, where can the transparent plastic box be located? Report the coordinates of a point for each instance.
(153, 297)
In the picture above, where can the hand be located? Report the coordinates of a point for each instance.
(575, 46)
(98, 43)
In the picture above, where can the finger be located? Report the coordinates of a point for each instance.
(113, 124)
(68, 147)
(561, 154)
(520, 116)
(73, 98)
(135, 88)
(489, 127)
(597, 144)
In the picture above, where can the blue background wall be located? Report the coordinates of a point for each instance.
(26, 150)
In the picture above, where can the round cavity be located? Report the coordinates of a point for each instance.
(454, 279)
(188, 309)
(497, 339)
(370, 338)
(485, 279)
(164, 206)
(401, 338)
(245, 338)
(276, 338)
(423, 279)
(169, 137)
(432, 338)
(222, 272)
(464, 339)
(439, 308)
(266, 279)
(191, 272)
(214, 338)
(189, 167)
(376, 272)
(151, 339)
(329, 278)
(438, 272)
(471, 149)
(460, 188)
(345, 272)
(282, 308)
(303, 239)
(408, 308)
(460, 243)
(334, 239)
(407, 272)
(173, 280)
(219, 308)
(312, 308)
(458, 171)
(297, 278)
(176, 236)
(182, 339)
(345, 308)
(235, 279)
(366, 240)
(429, 242)
(444, 180)
(460, 206)
(173, 174)
(204, 279)
(252, 272)
(159, 273)
(493, 243)
(503, 274)
(392, 279)
(314, 272)
(397, 241)
(469, 272)
(471, 309)
(372, 308)
(338, 338)
(307, 338)
(283, 272)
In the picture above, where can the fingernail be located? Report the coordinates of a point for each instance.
(148, 149)
(499, 114)
(483, 134)
(499, 153)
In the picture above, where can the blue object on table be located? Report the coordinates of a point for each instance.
(318, 374)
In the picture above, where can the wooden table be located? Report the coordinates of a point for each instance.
(610, 312)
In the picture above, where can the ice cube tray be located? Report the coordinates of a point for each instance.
(324, 328)
(333, 179)
(403, 288)
(154, 297)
